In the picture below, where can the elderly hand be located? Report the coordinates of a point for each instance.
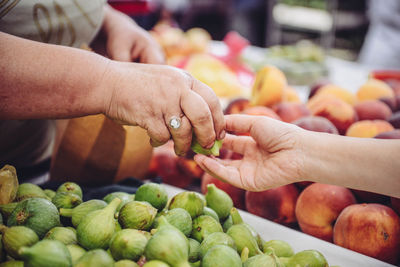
(271, 156)
(126, 41)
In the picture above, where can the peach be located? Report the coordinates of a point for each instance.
(370, 197)
(318, 207)
(277, 204)
(336, 91)
(316, 86)
(235, 193)
(289, 111)
(395, 134)
(316, 124)
(198, 40)
(292, 95)
(237, 106)
(340, 113)
(372, 110)
(269, 87)
(374, 89)
(390, 102)
(395, 120)
(261, 111)
(368, 128)
(395, 203)
(370, 229)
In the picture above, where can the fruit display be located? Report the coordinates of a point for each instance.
(174, 232)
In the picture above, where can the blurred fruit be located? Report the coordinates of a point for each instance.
(76, 252)
(123, 196)
(289, 111)
(291, 95)
(237, 105)
(66, 200)
(395, 134)
(279, 247)
(372, 110)
(8, 184)
(316, 86)
(277, 204)
(370, 197)
(390, 102)
(338, 92)
(194, 250)
(235, 193)
(29, 190)
(368, 128)
(370, 229)
(395, 120)
(217, 238)
(79, 212)
(65, 235)
(303, 184)
(374, 89)
(189, 168)
(128, 244)
(96, 257)
(318, 207)
(16, 237)
(198, 40)
(269, 87)
(316, 124)
(340, 113)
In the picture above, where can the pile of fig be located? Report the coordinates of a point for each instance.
(56, 228)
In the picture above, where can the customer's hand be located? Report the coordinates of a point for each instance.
(128, 42)
(150, 95)
(271, 154)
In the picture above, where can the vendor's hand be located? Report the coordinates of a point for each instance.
(150, 95)
(126, 41)
(271, 156)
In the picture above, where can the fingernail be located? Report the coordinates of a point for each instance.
(210, 145)
(222, 135)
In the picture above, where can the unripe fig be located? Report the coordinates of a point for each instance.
(83, 209)
(7, 209)
(213, 239)
(49, 193)
(28, 190)
(70, 187)
(66, 200)
(76, 252)
(46, 253)
(194, 250)
(222, 256)
(219, 201)
(137, 215)
(190, 201)
(237, 219)
(8, 184)
(307, 258)
(12, 263)
(125, 263)
(125, 198)
(228, 223)
(16, 237)
(243, 238)
(210, 212)
(128, 244)
(203, 226)
(279, 247)
(154, 194)
(155, 263)
(95, 258)
(214, 150)
(261, 260)
(62, 234)
(179, 218)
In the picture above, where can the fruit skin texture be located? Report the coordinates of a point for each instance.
(155, 263)
(95, 258)
(70, 187)
(261, 260)
(137, 215)
(190, 201)
(76, 252)
(83, 209)
(16, 237)
(125, 198)
(203, 226)
(153, 193)
(219, 201)
(66, 200)
(128, 244)
(62, 234)
(98, 227)
(194, 250)
(125, 263)
(370, 229)
(243, 237)
(28, 190)
(213, 239)
(277, 204)
(307, 258)
(222, 256)
(39, 214)
(180, 219)
(280, 248)
(319, 205)
(46, 253)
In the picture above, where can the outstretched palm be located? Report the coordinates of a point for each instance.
(270, 156)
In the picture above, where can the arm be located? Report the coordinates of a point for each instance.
(278, 153)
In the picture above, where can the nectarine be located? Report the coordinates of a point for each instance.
(372, 110)
(316, 124)
(237, 106)
(374, 89)
(336, 91)
(368, 128)
(289, 111)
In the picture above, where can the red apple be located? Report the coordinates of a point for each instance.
(277, 204)
(318, 207)
(370, 229)
(235, 193)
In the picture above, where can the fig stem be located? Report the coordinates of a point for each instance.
(113, 204)
(66, 212)
(236, 218)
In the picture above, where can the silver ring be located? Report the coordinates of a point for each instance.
(175, 122)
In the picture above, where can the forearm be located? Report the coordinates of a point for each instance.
(365, 164)
(48, 81)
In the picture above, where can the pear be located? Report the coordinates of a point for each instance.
(221, 256)
(179, 218)
(213, 239)
(243, 238)
(219, 201)
(70, 187)
(154, 194)
(63, 234)
(16, 237)
(66, 200)
(95, 258)
(203, 226)
(46, 253)
(137, 215)
(190, 201)
(80, 211)
(97, 228)
(128, 244)
(76, 252)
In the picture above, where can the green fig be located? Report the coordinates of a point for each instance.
(83, 209)
(62, 234)
(97, 228)
(155, 263)
(125, 198)
(7, 209)
(8, 184)
(307, 258)
(28, 190)
(261, 260)
(76, 252)
(227, 223)
(194, 250)
(179, 218)
(49, 193)
(237, 219)
(46, 253)
(195, 264)
(95, 258)
(203, 226)
(203, 198)
(213, 239)
(154, 194)
(128, 244)
(16, 237)
(285, 260)
(214, 150)
(280, 248)
(189, 201)
(12, 264)
(243, 238)
(219, 201)
(66, 200)
(39, 214)
(169, 245)
(70, 187)
(137, 215)
(211, 212)
(221, 256)
(125, 263)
